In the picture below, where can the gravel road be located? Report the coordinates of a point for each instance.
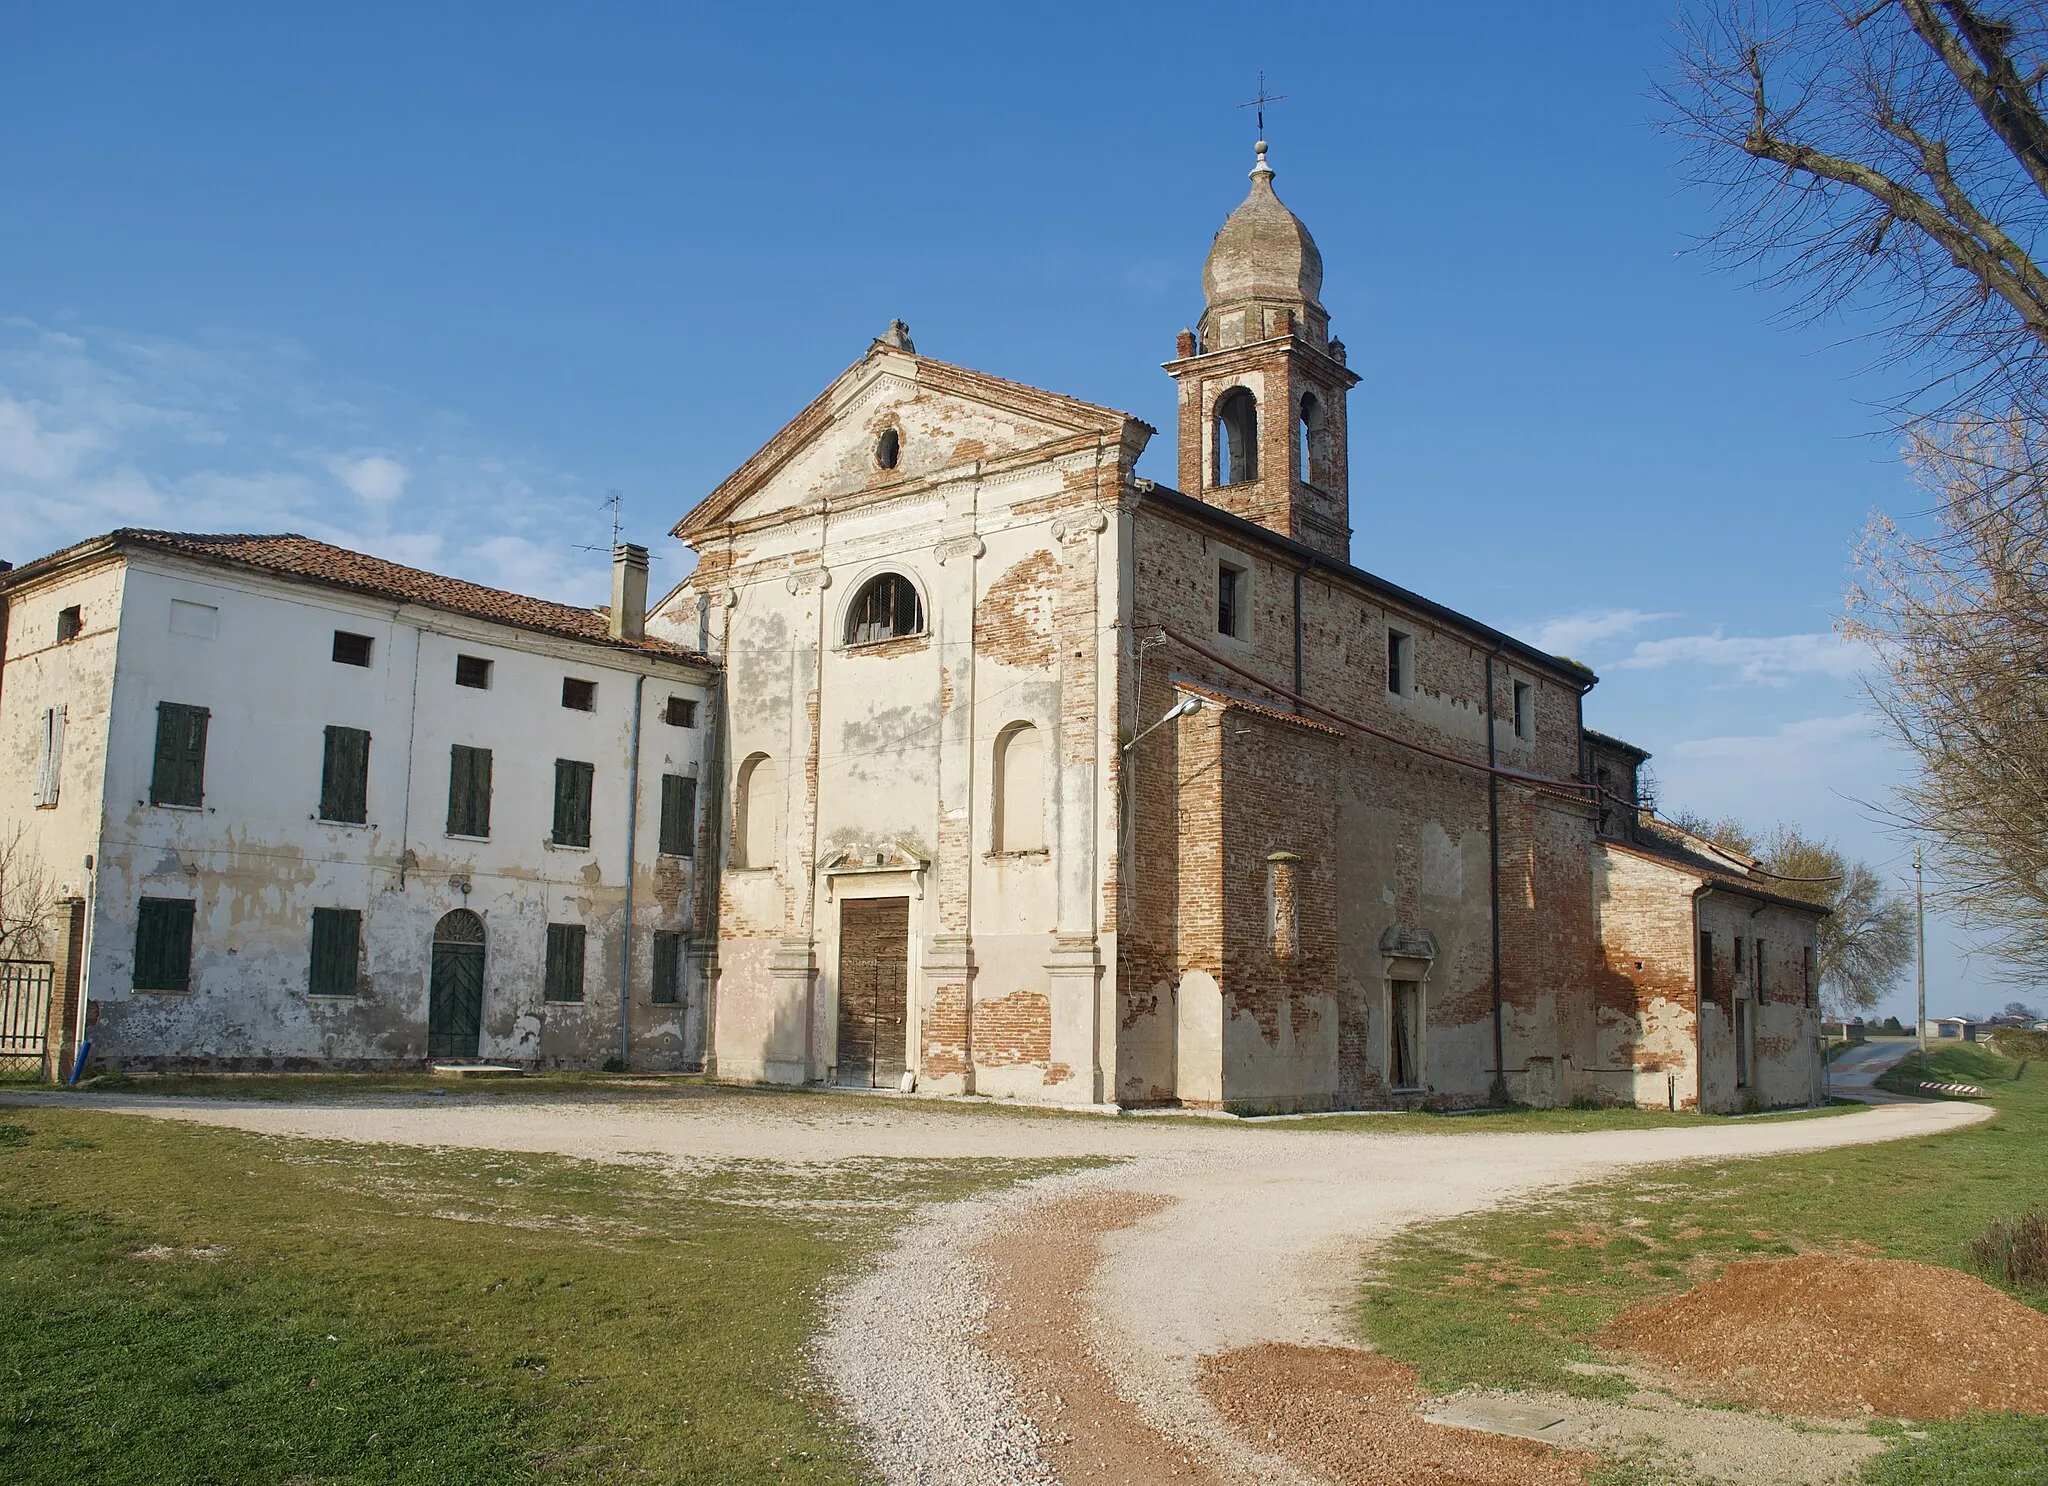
(1256, 1234)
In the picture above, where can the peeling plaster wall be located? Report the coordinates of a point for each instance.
(1784, 1057)
(77, 675)
(1665, 1045)
(1646, 1000)
(887, 751)
(256, 862)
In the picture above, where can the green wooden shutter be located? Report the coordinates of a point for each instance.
(678, 815)
(469, 791)
(572, 802)
(163, 944)
(668, 968)
(337, 949)
(345, 776)
(179, 777)
(564, 980)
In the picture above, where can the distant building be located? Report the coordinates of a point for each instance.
(315, 808)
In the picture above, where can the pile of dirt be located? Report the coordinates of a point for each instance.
(1834, 1336)
(1353, 1417)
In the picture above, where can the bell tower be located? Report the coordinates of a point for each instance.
(1262, 385)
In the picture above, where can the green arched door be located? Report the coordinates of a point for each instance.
(455, 994)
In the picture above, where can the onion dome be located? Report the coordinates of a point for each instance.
(1263, 252)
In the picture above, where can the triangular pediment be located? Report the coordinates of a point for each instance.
(945, 419)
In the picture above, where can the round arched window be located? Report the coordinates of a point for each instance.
(888, 449)
(1237, 437)
(886, 606)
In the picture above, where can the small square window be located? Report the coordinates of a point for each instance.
(580, 695)
(1400, 663)
(473, 670)
(682, 712)
(351, 650)
(69, 623)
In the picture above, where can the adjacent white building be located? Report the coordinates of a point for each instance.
(312, 807)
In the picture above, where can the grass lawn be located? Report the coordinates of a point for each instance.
(1506, 1298)
(186, 1304)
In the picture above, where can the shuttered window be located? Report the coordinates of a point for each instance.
(668, 968)
(572, 802)
(179, 777)
(337, 945)
(50, 757)
(678, 815)
(565, 963)
(163, 944)
(345, 776)
(469, 791)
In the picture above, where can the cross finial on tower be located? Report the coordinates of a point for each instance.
(1260, 103)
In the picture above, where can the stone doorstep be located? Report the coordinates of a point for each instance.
(1496, 1416)
(477, 1070)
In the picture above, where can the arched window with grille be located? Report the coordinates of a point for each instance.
(757, 813)
(1237, 437)
(1020, 789)
(885, 608)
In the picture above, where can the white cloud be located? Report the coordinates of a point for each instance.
(100, 429)
(374, 477)
(1576, 634)
(1804, 741)
(1770, 658)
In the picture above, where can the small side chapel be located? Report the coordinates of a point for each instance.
(1047, 781)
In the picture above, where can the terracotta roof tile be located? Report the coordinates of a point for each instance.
(301, 557)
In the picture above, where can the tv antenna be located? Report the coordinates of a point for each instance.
(613, 501)
(1261, 101)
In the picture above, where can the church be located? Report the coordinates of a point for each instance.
(1046, 781)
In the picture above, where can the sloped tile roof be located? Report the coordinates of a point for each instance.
(314, 561)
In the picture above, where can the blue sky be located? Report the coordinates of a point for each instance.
(431, 279)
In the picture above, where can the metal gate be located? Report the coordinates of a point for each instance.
(25, 989)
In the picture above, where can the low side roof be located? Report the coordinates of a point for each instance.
(1615, 745)
(1663, 842)
(287, 554)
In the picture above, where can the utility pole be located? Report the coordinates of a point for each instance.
(1920, 947)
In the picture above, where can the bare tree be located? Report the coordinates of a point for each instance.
(1889, 156)
(1866, 941)
(1958, 622)
(27, 898)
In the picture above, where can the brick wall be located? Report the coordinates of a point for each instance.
(1403, 836)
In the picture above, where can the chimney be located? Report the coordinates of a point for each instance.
(629, 591)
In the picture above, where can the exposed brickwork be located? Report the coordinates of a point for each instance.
(1012, 1030)
(1014, 621)
(945, 1053)
(1282, 497)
